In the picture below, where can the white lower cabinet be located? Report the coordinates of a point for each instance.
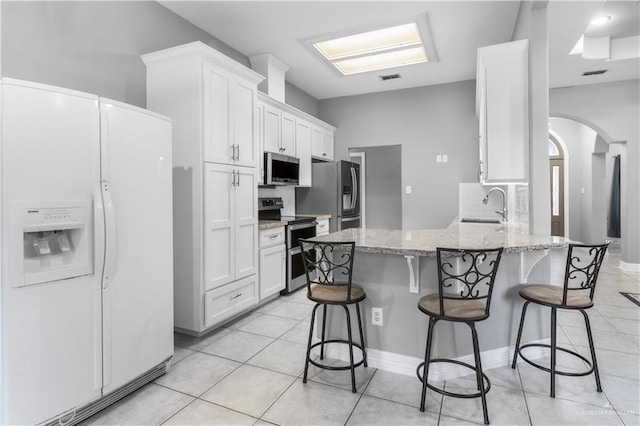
(273, 254)
(229, 300)
(322, 227)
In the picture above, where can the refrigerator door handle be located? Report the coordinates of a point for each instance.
(355, 188)
(98, 233)
(111, 238)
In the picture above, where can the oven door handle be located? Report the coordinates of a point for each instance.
(349, 219)
(302, 226)
(295, 250)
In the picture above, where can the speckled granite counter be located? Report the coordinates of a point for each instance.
(513, 237)
(268, 224)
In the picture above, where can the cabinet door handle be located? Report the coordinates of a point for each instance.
(237, 152)
(273, 237)
(236, 296)
(233, 178)
(238, 179)
(233, 152)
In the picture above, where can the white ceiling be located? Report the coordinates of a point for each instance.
(458, 28)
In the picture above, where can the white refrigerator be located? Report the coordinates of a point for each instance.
(86, 226)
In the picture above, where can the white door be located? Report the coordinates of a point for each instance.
(219, 185)
(138, 294)
(316, 142)
(327, 145)
(288, 135)
(244, 132)
(246, 222)
(303, 150)
(271, 129)
(51, 347)
(272, 270)
(216, 116)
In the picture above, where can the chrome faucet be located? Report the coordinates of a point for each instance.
(502, 212)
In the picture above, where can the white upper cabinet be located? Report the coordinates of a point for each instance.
(279, 131)
(322, 143)
(502, 107)
(303, 148)
(286, 130)
(229, 124)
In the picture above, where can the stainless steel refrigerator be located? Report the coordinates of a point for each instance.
(335, 191)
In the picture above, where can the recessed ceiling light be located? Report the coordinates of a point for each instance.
(370, 41)
(381, 61)
(600, 20)
(376, 49)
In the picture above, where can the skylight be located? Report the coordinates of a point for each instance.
(374, 50)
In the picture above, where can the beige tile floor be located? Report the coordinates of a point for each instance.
(249, 373)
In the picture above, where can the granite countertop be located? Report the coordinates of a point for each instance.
(268, 224)
(317, 216)
(514, 237)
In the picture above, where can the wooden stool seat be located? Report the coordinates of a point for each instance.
(551, 295)
(455, 307)
(335, 294)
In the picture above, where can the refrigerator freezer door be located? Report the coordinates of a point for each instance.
(51, 360)
(138, 296)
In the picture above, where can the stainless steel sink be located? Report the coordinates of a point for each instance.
(479, 220)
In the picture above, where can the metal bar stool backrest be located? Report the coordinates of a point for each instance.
(328, 263)
(583, 266)
(468, 275)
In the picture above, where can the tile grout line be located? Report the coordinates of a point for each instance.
(524, 394)
(360, 398)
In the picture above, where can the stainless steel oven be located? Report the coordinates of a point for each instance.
(296, 276)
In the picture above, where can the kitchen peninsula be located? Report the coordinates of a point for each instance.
(397, 267)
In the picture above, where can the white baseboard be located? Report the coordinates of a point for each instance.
(630, 267)
(403, 364)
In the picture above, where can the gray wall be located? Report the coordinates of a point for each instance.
(383, 171)
(301, 100)
(95, 46)
(612, 109)
(426, 121)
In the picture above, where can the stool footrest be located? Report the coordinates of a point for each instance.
(340, 367)
(486, 381)
(548, 370)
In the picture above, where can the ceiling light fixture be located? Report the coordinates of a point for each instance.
(382, 48)
(600, 20)
(370, 42)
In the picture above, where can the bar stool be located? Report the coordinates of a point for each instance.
(581, 273)
(465, 284)
(329, 267)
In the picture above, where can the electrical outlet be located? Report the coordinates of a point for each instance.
(376, 316)
(438, 158)
(408, 189)
(445, 158)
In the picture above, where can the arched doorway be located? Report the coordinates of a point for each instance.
(556, 179)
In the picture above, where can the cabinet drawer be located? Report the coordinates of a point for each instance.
(322, 227)
(271, 237)
(229, 300)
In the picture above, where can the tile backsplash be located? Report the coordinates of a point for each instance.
(470, 205)
(288, 195)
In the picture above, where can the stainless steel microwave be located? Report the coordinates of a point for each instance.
(281, 169)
